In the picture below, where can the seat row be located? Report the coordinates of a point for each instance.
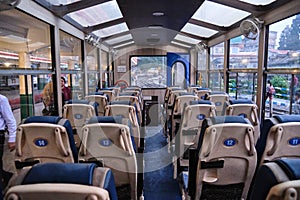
(105, 142)
(227, 162)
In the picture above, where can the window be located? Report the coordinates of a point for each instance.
(148, 71)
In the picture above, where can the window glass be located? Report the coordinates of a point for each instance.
(201, 60)
(104, 66)
(284, 43)
(25, 62)
(92, 68)
(71, 64)
(280, 102)
(217, 56)
(178, 74)
(243, 53)
(242, 86)
(284, 54)
(216, 67)
(216, 82)
(148, 71)
(201, 75)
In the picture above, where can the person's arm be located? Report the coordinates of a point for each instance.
(10, 121)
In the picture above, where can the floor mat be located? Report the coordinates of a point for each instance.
(158, 178)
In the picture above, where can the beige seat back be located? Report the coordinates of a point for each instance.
(172, 97)
(202, 93)
(127, 112)
(134, 101)
(42, 143)
(248, 111)
(221, 101)
(56, 191)
(179, 105)
(282, 142)
(56, 181)
(168, 106)
(189, 132)
(100, 100)
(110, 93)
(78, 115)
(191, 124)
(192, 88)
(227, 158)
(289, 190)
(111, 143)
(136, 93)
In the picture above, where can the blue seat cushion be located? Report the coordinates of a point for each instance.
(56, 120)
(287, 118)
(290, 166)
(200, 102)
(106, 119)
(202, 89)
(266, 177)
(61, 173)
(78, 102)
(240, 101)
(43, 119)
(228, 119)
(186, 93)
(120, 103)
(126, 94)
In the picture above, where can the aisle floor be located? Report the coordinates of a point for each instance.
(158, 178)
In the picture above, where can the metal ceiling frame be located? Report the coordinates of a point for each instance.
(62, 11)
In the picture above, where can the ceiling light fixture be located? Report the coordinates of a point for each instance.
(158, 14)
(155, 26)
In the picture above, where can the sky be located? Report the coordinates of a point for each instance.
(279, 26)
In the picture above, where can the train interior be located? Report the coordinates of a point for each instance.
(169, 99)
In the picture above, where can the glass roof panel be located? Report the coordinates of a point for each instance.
(90, 16)
(218, 14)
(119, 39)
(180, 44)
(61, 2)
(186, 39)
(124, 44)
(198, 30)
(258, 2)
(119, 28)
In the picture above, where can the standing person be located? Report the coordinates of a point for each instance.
(48, 99)
(269, 95)
(297, 103)
(8, 125)
(66, 91)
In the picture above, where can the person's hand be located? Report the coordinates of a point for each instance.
(11, 146)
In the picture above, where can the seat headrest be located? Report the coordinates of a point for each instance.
(186, 93)
(78, 102)
(228, 119)
(43, 119)
(99, 93)
(126, 94)
(120, 103)
(61, 173)
(202, 89)
(287, 118)
(240, 101)
(195, 102)
(106, 119)
(290, 166)
(212, 93)
(110, 89)
(174, 89)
